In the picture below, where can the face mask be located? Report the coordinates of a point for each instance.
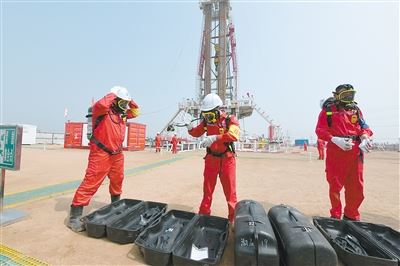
(210, 116)
(346, 96)
(123, 105)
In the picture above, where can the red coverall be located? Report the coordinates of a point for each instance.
(158, 143)
(321, 149)
(222, 163)
(305, 146)
(174, 142)
(111, 133)
(344, 168)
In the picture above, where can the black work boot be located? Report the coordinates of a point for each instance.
(115, 198)
(348, 218)
(74, 221)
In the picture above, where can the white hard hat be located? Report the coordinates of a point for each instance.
(121, 92)
(210, 102)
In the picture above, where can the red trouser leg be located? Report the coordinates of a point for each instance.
(97, 169)
(228, 181)
(212, 166)
(116, 174)
(321, 154)
(354, 187)
(335, 177)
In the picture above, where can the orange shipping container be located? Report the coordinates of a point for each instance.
(75, 136)
(136, 136)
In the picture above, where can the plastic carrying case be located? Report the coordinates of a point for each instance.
(126, 228)
(255, 241)
(204, 243)
(96, 221)
(157, 241)
(358, 243)
(300, 242)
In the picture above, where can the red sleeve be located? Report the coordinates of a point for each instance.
(197, 131)
(233, 132)
(364, 127)
(322, 130)
(102, 106)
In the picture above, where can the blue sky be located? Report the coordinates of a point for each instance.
(60, 54)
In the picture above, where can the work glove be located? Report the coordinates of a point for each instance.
(208, 141)
(345, 144)
(366, 145)
(189, 126)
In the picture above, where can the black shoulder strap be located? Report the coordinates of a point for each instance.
(328, 111)
(327, 106)
(227, 121)
(98, 120)
(230, 145)
(96, 123)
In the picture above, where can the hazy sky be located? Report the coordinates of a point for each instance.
(61, 54)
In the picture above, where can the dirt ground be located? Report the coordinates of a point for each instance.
(295, 178)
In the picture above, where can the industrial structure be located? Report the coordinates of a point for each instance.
(217, 70)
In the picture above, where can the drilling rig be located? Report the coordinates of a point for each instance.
(217, 66)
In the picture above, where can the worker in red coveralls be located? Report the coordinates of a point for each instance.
(321, 149)
(105, 158)
(174, 143)
(342, 126)
(158, 142)
(221, 131)
(305, 146)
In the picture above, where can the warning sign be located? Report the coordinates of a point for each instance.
(10, 146)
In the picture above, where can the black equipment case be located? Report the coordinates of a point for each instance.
(255, 241)
(96, 221)
(358, 243)
(158, 240)
(299, 241)
(126, 228)
(204, 243)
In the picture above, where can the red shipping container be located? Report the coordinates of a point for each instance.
(73, 135)
(136, 136)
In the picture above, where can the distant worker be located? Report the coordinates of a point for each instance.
(222, 130)
(158, 142)
(321, 149)
(109, 115)
(342, 126)
(305, 146)
(174, 143)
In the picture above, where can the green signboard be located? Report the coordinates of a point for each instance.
(10, 146)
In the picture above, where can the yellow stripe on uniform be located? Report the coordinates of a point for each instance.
(234, 130)
(135, 111)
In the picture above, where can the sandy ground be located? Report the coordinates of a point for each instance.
(293, 178)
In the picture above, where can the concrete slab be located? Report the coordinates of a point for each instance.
(289, 178)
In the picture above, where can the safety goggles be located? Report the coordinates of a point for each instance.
(210, 116)
(346, 96)
(123, 104)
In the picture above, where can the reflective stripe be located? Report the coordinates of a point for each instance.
(234, 130)
(135, 111)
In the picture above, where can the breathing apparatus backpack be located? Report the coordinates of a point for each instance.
(89, 123)
(91, 127)
(327, 106)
